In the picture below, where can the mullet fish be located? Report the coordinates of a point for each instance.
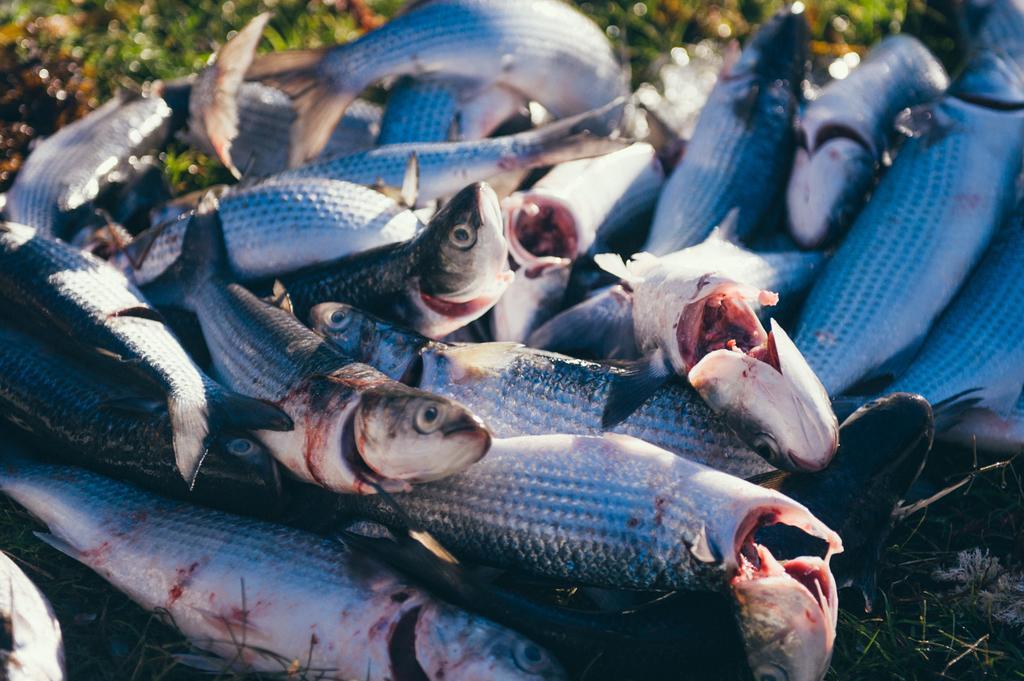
(520, 391)
(633, 516)
(437, 282)
(546, 51)
(234, 588)
(354, 427)
(740, 151)
(928, 223)
(92, 306)
(33, 648)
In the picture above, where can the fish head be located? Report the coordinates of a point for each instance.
(826, 188)
(777, 52)
(464, 263)
(992, 78)
(455, 645)
(787, 613)
(366, 337)
(402, 433)
(773, 400)
(691, 317)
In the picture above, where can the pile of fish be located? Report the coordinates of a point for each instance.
(493, 381)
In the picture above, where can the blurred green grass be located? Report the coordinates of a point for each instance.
(921, 631)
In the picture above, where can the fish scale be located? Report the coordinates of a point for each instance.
(281, 226)
(224, 579)
(419, 111)
(980, 330)
(61, 402)
(68, 169)
(608, 511)
(520, 391)
(929, 221)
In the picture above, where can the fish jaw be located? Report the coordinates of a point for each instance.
(407, 435)
(773, 401)
(439, 316)
(450, 644)
(717, 315)
(826, 189)
(787, 615)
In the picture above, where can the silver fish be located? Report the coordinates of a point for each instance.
(975, 351)
(34, 647)
(447, 167)
(846, 132)
(602, 325)
(353, 426)
(740, 151)
(928, 223)
(444, 110)
(234, 588)
(691, 320)
(93, 306)
(68, 170)
(559, 219)
(445, 277)
(617, 512)
(519, 391)
(544, 50)
(281, 226)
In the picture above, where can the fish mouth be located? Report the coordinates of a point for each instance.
(754, 562)
(539, 228)
(473, 303)
(723, 319)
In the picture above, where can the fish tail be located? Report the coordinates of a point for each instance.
(215, 116)
(317, 98)
(197, 420)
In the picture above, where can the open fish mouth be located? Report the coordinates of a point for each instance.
(473, 303)
(539, 228)
(723, 319)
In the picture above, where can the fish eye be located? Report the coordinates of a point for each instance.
(529, 657)
(771, 672)
(462, 237)
(765, 446)
(241, 446)
(338, 320)
(428, 418)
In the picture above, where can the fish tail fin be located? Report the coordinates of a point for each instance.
(215, 116)
(589, 134)
(195, 422)
(203, 258)
(317, 99)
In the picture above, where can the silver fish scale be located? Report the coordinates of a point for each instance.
(543, 48)
(280, 226)
(445, 167)
(929, 221)
(588, 514)
(534, 393)
(265, 117)
(84, 294)
(260, 350)
(978, 343)
(729, 163)
(419, 111)
(68, 169)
